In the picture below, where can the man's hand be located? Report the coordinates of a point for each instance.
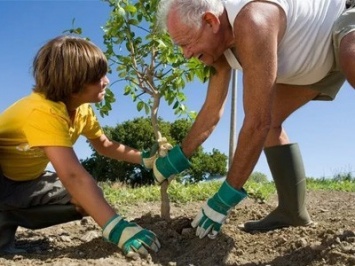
(213, 214)
(149, 156)
(173, 163)
(130, 237)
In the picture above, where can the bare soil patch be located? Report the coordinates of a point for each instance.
(330, 242)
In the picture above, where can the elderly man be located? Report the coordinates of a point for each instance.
(290, 52)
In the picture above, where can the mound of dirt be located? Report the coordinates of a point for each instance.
(330, 242)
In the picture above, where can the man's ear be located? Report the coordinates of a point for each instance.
(212, 21)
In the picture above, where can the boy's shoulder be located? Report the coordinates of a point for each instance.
(38, 102)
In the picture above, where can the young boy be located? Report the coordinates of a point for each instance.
(69, 73)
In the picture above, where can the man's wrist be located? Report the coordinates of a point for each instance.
(173, 163)
(179, 159)
(229, 195)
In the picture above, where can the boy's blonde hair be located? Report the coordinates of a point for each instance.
(65, 64)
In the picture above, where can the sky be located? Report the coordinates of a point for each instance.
(325, 131)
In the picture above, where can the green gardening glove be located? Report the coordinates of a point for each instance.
(173, 163)
(214, 213)
(130, 237)
(149, 156)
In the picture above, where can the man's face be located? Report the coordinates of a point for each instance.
(198, 43)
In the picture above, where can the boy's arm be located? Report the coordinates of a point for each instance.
(118, 151)
(114, 150)
(130, 237)
(79, 183)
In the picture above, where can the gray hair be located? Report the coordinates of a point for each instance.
(190, 11)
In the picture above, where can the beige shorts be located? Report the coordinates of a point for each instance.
(331, 84)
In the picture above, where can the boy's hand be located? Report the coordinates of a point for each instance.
(149, 156)
(173, 163)
(130, 237)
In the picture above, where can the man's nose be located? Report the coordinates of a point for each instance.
(187, 52)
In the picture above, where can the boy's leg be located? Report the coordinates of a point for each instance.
(32, 204)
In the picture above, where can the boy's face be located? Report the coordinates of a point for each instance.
(95, 92)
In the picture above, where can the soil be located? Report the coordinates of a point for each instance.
(330, 242)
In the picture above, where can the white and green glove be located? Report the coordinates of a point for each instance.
(173, 163)
(214, 213)
(149, 156)
(130, 237)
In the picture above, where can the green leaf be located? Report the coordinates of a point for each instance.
(127, 90)
(176, 104)
(140, 106)
(161, 44)
(131, 8)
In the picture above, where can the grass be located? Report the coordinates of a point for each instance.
(120, 194)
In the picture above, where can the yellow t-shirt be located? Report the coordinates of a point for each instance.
(34, 122)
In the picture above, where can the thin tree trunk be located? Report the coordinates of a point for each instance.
(165, 202)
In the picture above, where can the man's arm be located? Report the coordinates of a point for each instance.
(176, 159)
(212, 109)
(258, 29)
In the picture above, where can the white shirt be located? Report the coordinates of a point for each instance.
(305, 54)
